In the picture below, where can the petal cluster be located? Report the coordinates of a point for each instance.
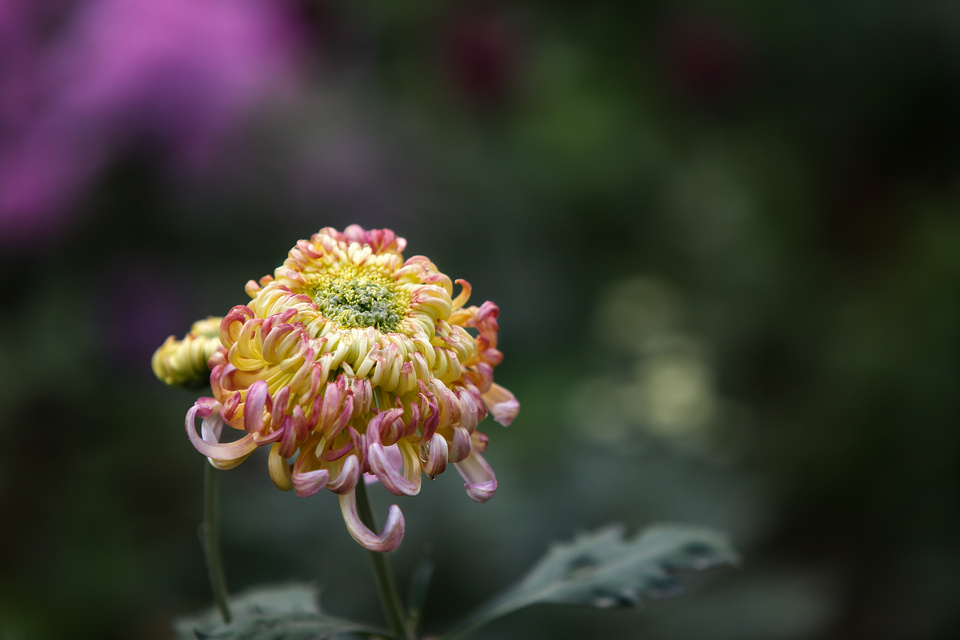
(352, 360)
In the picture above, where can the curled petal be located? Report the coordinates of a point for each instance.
(300, 427)
(279, 469)
(408, 483)
(436, 461)
(388, 540)
(473, 410)
(333, 395)
(393, 460)
(231, 405)
(253, 406)
(231, 324)
(410, 428)
(335, 427)
(348, 478)
(486, 322)
(288, 438)
(387, 426)
(221, 455)
(211, 426)
(430, 416)
(503, 405)
(362, 397)
(481, 482)
(278, 403)
(460, 445)
(203, 407)
(461, 299)
(275, 334)
(306, 475)
(270, 438)
(336, 454)
(252, 288)
(479, 441)
(307, 483)
(447, 403)
(380, 240)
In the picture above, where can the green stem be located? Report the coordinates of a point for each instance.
(386, 585)
(210, 530)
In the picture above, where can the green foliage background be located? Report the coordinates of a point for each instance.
(725, 242)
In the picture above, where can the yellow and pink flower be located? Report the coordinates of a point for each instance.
(350, 360)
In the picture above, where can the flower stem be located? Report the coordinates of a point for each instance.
(386, 585)
(210, 530)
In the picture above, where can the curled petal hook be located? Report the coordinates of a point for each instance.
(221, 455)
(481, 483)
(388, 539)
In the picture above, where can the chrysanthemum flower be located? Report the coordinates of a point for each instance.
(185, 363)
(351, 360)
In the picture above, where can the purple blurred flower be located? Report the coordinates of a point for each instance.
(482, 49)
(179, 75)
(707, 61)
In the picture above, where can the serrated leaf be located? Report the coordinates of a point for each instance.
(287, 612)
(604, 570)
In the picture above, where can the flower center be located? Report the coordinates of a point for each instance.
(353, 298)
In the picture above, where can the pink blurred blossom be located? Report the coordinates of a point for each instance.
(81, 85)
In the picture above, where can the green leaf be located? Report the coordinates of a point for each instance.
(417, 593)
(288, 612)
(604, 570)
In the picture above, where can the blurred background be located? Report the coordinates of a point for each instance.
(723, 237)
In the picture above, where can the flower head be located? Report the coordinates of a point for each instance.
(351, 360)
